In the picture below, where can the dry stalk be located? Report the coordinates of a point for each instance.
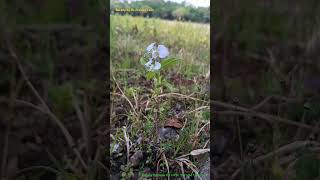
(167, 165)
(238, 110)
(127, 143)
(202, 128)
(267, 117)
(182, 96)
(84, 125)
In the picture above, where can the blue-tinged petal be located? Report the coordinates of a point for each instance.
(150, 47)
(148, 64)
(155, 54)
(156, 66)
(163, 51)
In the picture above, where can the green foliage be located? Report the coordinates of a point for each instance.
(143, 61)
(167, 146)
(206, 115)
(53, 11)
(149, 125)
(60, 97)
(126, 171)
(68, 176)
(180, 13)
(168, 85)
(183, 140)
(166, 10)
(277, 171)
(132, 91)
(167, 63)
(308, 167)
(150, 75)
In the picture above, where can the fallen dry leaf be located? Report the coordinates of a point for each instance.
(173, 122)
(199, 151)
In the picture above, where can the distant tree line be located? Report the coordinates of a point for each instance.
(164, 10)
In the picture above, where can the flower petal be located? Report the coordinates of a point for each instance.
(148, 64)
(156, 66)
(150, 46)
(163, 51)
(155, 54)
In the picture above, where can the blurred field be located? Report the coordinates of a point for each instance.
(187, 41)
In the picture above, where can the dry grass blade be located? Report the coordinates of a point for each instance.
(46, 168)
(266, 117)
(199, 108)
(182, 96)
(182, 169)
(205, 144)
(24, 103)
(127, 143)
(267, 99)
(188, 163)
(73, 166)
(315, 129)
(84, 125)
(290, 169)
(135, 100)
(202, 128)
(199, 151)
(271, 60)
(101, 115)
(158, 168)
(167, 165)
(245, 111)
(131, 105)
(185, 123)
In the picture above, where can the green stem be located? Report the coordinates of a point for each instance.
(157, 83)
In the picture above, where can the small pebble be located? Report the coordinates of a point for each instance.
(136, 158)
(168, 133)
(205, 171)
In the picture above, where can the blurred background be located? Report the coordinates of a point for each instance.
(266, 73)
(190, 10)
(53, 73)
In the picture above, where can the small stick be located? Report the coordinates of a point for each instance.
(84, 125)
(127, 143)
(267, 117)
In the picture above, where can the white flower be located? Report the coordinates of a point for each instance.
(160, 51)
(155, 51)
(154, 54)
(152, 65)
(163, 51)
(150, 47)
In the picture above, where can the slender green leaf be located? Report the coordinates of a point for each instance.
(143, 61)
(168, 85)
(168, 63)
(150, 75)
